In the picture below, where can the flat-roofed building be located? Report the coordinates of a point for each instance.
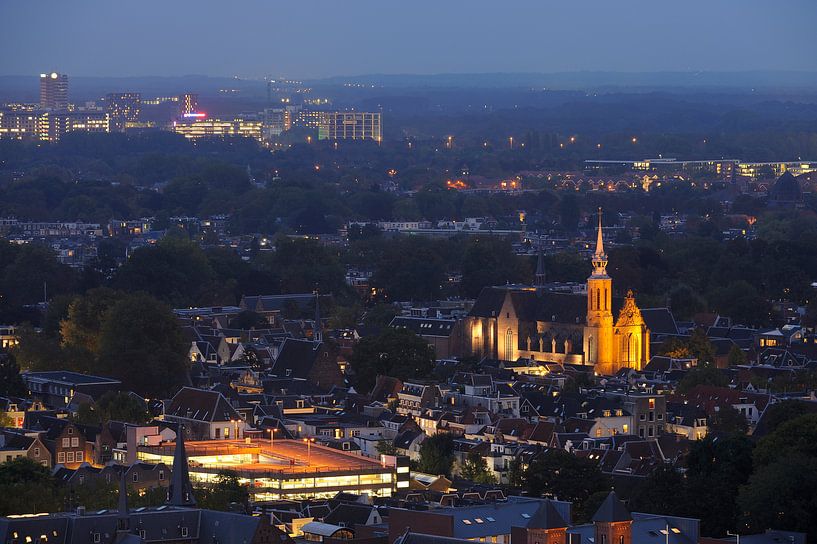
(282, 468)
(124, 109)
(344, 125)
(18, 125)
(217, 128)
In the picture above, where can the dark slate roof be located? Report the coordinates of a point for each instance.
(786, 188)
(297, 358)
(349, 515)
(420, 538)
(659, 320)
(489, 302)
(532, 305)
(425, 326)
(201, 405)
(547, 517)
(611, 510)
(71, 378)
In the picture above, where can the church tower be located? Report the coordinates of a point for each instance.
(598, 333)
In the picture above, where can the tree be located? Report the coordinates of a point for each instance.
(491, 261)
(385, 447)
(411, 269)
(437, 455)
(226, 494)
(737, 356)
(701, 348)
(516, 473)
(717, 467)
(11, 384)
(142, 344)
(676, 348)
(26, 487)
(33, 274)
(796, 436)
(175, 271)
(729, 420)
(563, 476)
(663, 492)
(123, 406)
(780, 412)
(379, 315)
(248, 320)
(702, 376)
(781, 495)
(80, 329)
(38, 352)
(475, 469)
(301, 266)
(395, 352)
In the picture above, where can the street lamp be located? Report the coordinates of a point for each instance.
(736, 535)
(308, 448)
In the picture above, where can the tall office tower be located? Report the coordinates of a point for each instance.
(54, 91)
(339, 125)
(188, 103)
(123, 108)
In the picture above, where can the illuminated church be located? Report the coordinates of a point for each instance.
(534, 322)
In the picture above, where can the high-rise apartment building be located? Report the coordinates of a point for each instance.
(188, 103)
(341, 125)
(123, 108)
(54, 91)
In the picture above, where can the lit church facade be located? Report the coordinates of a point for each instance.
(513, 322)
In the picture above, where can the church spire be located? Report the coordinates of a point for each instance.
(599, 238)
(540, 267)
(599, 257)
(180, 491)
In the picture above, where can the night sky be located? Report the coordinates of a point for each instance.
(317, 38)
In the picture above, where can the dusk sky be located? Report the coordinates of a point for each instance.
(317, 38)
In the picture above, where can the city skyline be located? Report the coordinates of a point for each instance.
(423, 38)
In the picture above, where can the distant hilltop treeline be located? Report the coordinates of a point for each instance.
(24, 87)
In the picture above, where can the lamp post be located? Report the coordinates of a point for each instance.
(736, 535)
(272, 437)
(308, 448)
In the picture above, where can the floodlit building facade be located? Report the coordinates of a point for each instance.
(532, 322)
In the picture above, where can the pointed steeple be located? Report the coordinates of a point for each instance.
(599, 238)
(180, 491)
(540, 267)
(317, 332)
(599, 257)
